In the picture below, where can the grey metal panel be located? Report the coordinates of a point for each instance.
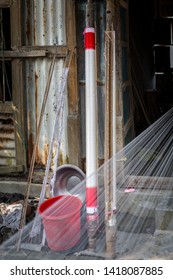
(44, 25)
(44, 22)
(36, 78)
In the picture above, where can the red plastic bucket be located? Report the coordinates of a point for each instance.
(61, 220)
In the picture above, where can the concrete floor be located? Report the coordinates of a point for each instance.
(157, 246)
(11, 186)
(151, 245)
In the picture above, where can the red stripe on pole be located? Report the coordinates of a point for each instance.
(91, 197)
(92, 218)
(89, 34)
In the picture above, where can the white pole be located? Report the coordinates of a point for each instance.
(91, 126)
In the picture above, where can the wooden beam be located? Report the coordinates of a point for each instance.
(17, 83)
(110, 111)
(11, 169)
(119, 101)
(59, 51)
(120, 134)
(109, 46)
(15, 16)
(74, 140)
(21, 53)
(73, 98)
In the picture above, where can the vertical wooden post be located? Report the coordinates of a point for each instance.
(17, 84)
(110, 131)
(74, 138)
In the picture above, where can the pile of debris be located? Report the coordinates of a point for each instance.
(11, 206)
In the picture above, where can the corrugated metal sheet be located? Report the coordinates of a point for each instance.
(44, 25)
(44, 22)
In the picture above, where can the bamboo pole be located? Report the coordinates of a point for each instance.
(110, 131)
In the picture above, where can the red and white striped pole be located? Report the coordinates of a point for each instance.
(91, 128)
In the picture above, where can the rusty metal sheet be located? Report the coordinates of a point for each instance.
(44, 25)
(44, 22)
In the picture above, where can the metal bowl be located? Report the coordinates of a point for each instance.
(68, 176)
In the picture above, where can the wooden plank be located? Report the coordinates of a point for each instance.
(109, 46)
(17, 83)
(120, 139)
(119, 102)
(73, 92)
(59, 51)
(8, 161)
(73, 98)
(7, 144)
(110, 127)
(11, 169)
(22, 53)
(15, 17)
(74, 139)
(7, 153)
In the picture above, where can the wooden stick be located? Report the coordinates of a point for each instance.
(110, 131)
